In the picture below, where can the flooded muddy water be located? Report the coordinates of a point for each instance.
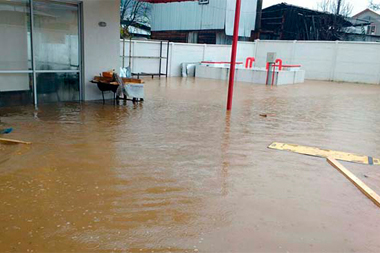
(178, 174)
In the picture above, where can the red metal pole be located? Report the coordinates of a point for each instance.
(233, 56)
(274, 72)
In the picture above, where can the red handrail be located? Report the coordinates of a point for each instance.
(219, 62)
(249, 62)
(279, 61)
(280, 66)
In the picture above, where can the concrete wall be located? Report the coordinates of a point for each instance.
(330, 61)
(101, 44)
(179, 53)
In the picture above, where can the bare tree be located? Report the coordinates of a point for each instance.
(337, 7)
(374, 5)
(132, 12)
(338, 10)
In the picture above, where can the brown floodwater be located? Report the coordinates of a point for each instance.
(178, 174)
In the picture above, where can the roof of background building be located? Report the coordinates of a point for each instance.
(366, 10)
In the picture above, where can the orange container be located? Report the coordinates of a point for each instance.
(108, 74)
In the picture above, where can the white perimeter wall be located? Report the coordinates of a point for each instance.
(101, 44)
(330, 61)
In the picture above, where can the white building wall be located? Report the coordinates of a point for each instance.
(330, 61)
(217, 52)
(248, 14)
(216, 15)
(317, 59)
(182, 52)
(358, 62)
(101, 44)
(189, 15)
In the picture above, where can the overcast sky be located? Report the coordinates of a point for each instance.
(359, 5)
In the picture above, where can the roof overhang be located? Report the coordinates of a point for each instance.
(165, 1)
(366, 10)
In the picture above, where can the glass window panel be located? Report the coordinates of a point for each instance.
(57, 87)
(56, 36)
(15, 49)
(16, 89)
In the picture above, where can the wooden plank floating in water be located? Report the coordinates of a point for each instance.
(9, 141)
(356, 181)
(325, 153)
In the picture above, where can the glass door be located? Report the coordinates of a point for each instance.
(40, 52)
(56, 50)
(16, 75)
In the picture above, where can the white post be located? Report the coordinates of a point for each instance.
(334, 61)
(171, 58)
(133, 54)
(293, 55)
(204, 52)
(256, 48)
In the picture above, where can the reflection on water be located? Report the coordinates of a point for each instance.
(178, 174)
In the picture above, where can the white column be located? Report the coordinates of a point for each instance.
(204, 52)
(256, 48)
(334, 61)
(293, 55)
(132, 55)
(171, 58)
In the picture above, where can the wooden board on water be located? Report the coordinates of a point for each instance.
(10, 141)
(325, 153)
(356, 181)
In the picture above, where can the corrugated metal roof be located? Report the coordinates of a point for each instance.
(217, 15)
(247, 17)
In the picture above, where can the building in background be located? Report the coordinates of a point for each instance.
(51, 49)
(360, 31)
(289, 22)
(201, 21)
(366, 27)
(373, 18)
